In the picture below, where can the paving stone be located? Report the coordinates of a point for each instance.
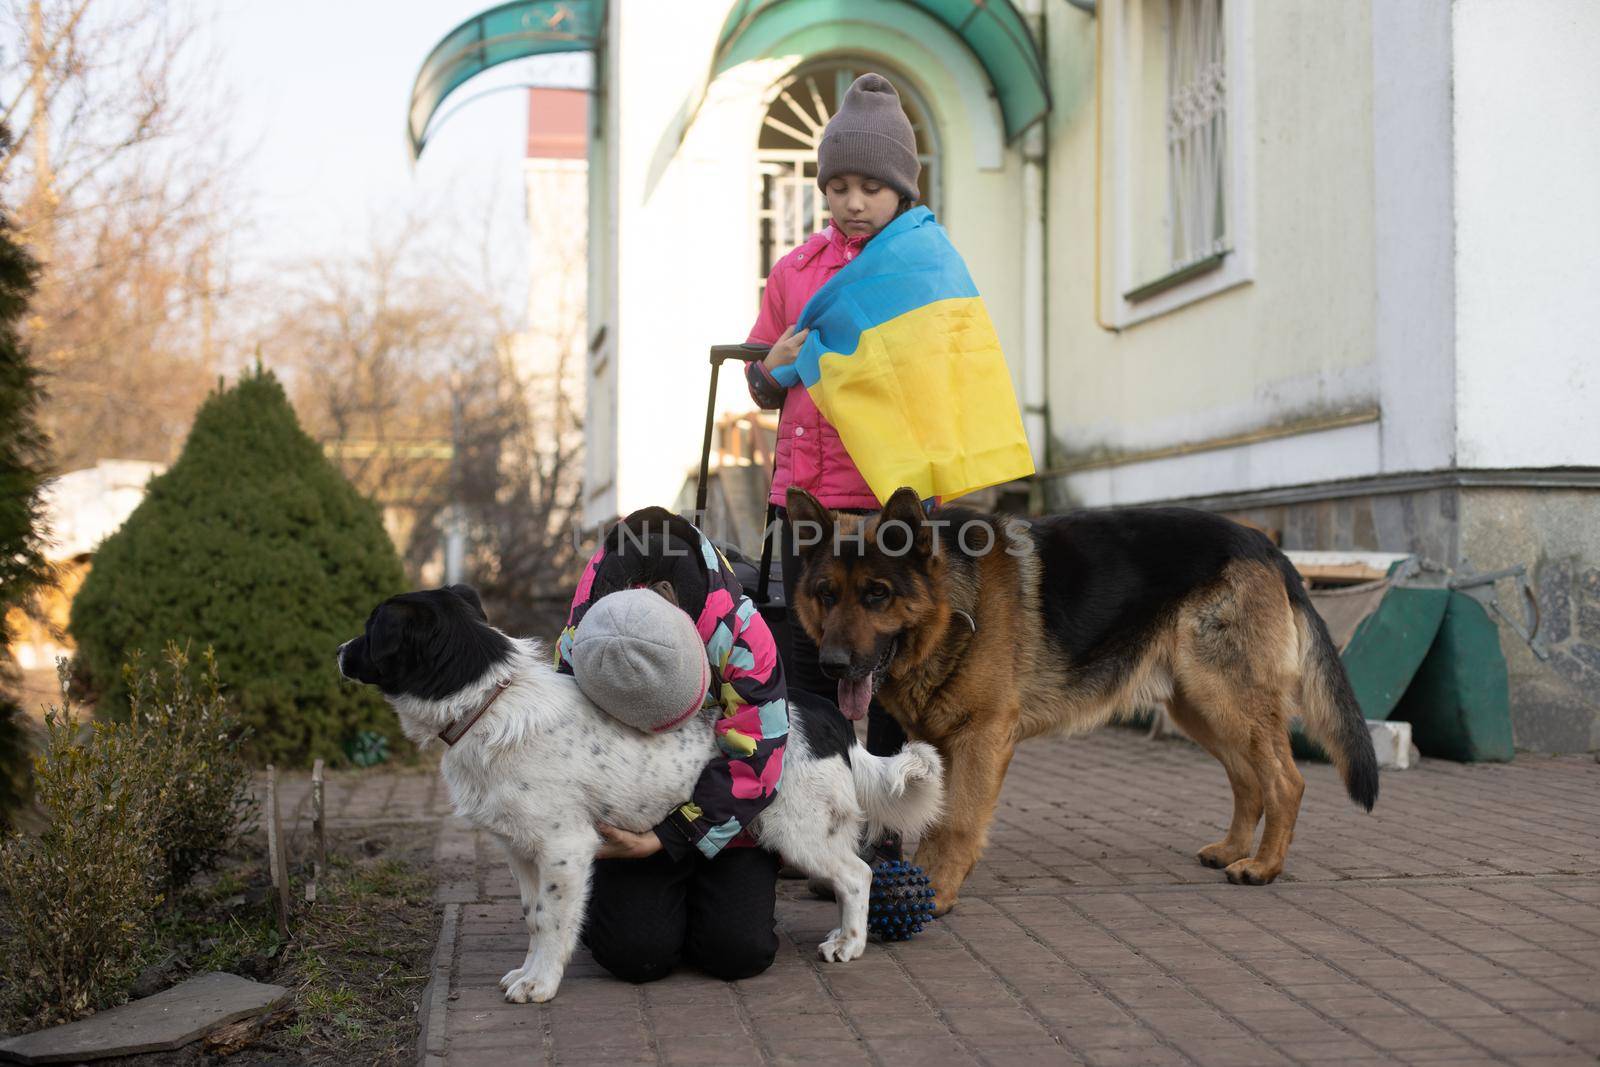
(169, 1020)
(1459, 921)
(925, 1052)
(733, 1049)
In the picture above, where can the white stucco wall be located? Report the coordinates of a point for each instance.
(600, 379)
(686, 248)
(1527, 184)
(1414, 235)
(1295, 343)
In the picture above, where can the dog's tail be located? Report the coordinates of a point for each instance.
(1332, 716)
(903, 792)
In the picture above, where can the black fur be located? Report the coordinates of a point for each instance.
(1111, 577)
(825, 730)
(428, 644)
(654, 545)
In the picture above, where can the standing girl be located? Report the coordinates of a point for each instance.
(867, 168)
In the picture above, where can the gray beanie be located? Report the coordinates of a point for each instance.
(640, 658)
(870, 135)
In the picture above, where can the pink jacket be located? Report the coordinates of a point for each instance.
(810, 453)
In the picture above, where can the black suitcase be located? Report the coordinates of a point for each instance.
(757, 580)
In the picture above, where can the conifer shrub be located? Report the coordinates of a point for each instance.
(254, 544)
(23, 464)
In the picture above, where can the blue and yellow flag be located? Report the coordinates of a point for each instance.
(903, 360)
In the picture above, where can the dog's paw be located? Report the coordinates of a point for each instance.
(1221, 854)
(510, 977)
(1252, 872)
(842, 947)
(532, 987)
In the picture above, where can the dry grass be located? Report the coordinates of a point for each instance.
(356, 961)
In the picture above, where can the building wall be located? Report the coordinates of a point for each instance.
(1458, 527)
(1555, 702)
(554, 339)
(600, 379)
(1293, 346)
(1527, 135)
(1424, 250)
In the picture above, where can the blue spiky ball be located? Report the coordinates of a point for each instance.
(901, 901)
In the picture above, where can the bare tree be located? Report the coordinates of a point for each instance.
(517, 480)
(407, 365)
(366, 345)
(123, 173)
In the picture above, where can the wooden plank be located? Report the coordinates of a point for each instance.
(319, 855)
(1343, 567)
(1339, 573)
(275, 854)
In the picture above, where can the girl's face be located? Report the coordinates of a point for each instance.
(860, 206)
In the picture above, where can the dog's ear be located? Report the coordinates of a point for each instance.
(803, 508)
(470, 595)
(388, 630)
(905, 508)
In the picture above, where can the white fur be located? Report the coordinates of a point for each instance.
(544, 764)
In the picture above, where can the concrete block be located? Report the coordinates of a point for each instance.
(1392, 742)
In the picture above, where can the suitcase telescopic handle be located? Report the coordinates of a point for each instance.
(719, 354)
(746, 353)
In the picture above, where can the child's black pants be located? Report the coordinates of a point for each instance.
(647, 916)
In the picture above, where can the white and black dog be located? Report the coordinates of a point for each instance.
(538, 765)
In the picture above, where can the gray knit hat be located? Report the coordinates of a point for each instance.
(640, 658)
(870, 135)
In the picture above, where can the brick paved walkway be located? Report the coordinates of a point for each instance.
(358, 800)
(1458, 923)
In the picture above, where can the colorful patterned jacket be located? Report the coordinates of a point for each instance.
(747, 688)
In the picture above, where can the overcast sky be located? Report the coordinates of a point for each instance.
(321, 90)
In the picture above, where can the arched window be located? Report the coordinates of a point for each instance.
(792, 208)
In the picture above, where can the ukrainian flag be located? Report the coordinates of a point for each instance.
(903, 360)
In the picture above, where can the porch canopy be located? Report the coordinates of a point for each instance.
(516, 30)
(992, 30)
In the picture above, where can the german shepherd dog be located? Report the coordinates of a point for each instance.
(977, 631)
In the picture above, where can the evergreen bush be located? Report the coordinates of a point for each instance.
(252, 543)
(22, 471)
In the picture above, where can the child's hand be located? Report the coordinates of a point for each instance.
(622, 844)
(786, 349)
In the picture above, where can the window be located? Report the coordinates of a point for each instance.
(1197, 131)
(791, 207)
(1176, 213)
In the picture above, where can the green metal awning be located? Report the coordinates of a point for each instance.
(991, 30)
(510, 31)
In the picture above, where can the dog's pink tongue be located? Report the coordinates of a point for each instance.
(854, 696)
